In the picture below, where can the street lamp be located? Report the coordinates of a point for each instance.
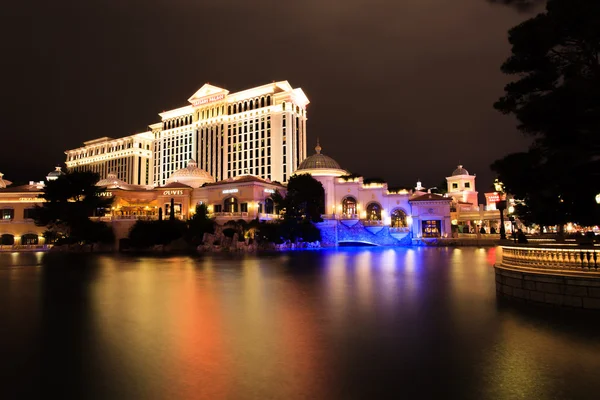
(501, 205)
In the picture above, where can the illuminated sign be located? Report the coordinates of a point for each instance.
(104, 194)
(208, 99)
(173, 193)
(230, 191)
(492, 197)
(269, 191)
(29, 199)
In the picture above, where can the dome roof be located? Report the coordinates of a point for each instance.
(55, 174)
(191, 175)
(3, 182)
(318, 161)
(460, 171)
(111, 181)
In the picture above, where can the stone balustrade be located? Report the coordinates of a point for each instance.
(558, 274)
(562, 258)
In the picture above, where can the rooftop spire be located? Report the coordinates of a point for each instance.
(318, 147)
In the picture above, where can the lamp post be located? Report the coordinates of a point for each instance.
(501, 205)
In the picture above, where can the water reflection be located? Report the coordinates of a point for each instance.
(353, 323)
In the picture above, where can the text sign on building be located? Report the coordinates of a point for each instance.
(230, 191)
(269, 191)
(492, 198)
(104, 194)
(207, 99)
(173, 193)
(29, 199)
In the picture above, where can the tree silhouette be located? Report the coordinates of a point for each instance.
(556, 99)
(69, 202)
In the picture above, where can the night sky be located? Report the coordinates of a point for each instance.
(399, 89)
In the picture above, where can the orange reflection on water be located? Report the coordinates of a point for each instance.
(203, 369)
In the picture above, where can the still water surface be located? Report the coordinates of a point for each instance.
(346, 324)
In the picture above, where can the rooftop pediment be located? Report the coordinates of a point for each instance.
(208, 94)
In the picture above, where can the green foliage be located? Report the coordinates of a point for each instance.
(350, 176)
(70, 201)
(199, 224)
(367, 181)
(441, 188)
(229, 232)
(521, 5)
(305, 199)
(287, 230)
(146, 234)
(556, 100)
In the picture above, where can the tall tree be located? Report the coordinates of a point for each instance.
(305, 199)
(69, 202)
(556, 99)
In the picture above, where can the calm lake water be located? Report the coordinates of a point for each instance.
(356, 323)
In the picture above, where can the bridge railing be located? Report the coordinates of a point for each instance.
(584, 259)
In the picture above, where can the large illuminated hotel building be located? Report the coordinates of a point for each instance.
(259, 131)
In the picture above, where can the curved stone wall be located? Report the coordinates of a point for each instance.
(562, 276)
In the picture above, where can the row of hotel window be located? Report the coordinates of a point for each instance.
(9, 213)
(102, 150)
(220, 110)
(27, 239)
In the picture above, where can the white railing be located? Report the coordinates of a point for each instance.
(371, 222)
(565, 258)
(31, 247)
(494, 236)
(229, 214)
(268, 216)
(109, 218)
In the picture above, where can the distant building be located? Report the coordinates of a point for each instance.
(16, 214)
(467, 215)
(402, 215)
(259, 131)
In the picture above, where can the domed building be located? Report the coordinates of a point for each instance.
(461, 186)
(112, 182)
(53, 175)
(3, 182)
(191, 176)
(320, 165)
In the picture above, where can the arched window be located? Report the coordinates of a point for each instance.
(374, 212)
(349, 206)
(7, 239)
(230, 204)
(269, 206)
(29, 238)
(245, 106)
(283, 106)
(228, 109)
(399, 219)
(255, 103)
(262, 101)
(268, 100)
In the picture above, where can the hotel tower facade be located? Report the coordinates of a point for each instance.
(259, 131)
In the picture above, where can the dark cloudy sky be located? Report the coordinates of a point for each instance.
(399, 89)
